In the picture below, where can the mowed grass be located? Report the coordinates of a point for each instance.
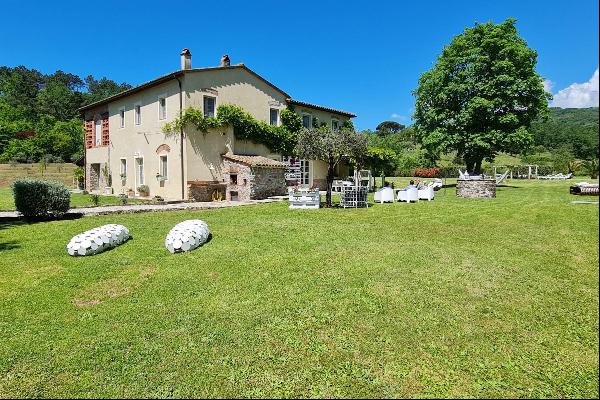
(454, 297)
(77, 200)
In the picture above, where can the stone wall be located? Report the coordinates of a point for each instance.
(248, 182)
(268, 181)
(476, 188)
(238, 178)
(203, 190)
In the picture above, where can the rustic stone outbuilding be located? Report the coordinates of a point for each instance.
(253, 177)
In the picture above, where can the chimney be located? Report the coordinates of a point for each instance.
(225, 61)
(186, 59)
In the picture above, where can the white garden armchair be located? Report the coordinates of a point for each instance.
(385, 194)
(408, 195)
(426, 193)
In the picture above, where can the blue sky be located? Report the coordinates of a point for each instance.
(359, 56)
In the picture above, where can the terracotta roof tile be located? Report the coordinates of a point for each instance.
(323, 108)
(255, 161)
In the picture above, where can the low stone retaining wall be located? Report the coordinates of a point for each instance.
(476, 188)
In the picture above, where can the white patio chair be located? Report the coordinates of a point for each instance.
(412, 194)
(408, 195)
(426, 193)
(385, 194)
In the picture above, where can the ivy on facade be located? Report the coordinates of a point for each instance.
(278, 139)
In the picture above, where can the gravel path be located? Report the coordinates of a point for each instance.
(138, 208)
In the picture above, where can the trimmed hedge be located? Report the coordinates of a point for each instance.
(37, 199)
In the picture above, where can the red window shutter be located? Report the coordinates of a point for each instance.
(89, 133)
(105, 133)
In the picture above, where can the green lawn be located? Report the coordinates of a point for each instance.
(454, 297)
(77, 200)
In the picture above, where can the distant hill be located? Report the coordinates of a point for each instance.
(575, 128)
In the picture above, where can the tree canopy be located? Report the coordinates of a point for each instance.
(332, 147)
(389, 127)
(481, 96)
(38, 112)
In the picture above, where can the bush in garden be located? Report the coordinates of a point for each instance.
(427, 172)
(37, 199)
(95, 199)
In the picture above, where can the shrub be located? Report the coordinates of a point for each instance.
(37, 199)
(95, 199)
(143, 189)
(427, 172)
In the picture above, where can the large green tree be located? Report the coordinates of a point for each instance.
(98, 89)
(388, 128)
(481, 96)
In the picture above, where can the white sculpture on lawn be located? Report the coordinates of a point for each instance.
(187, 235)
(97, 240)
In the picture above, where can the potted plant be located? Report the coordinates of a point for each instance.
(159, 177)
(130, 192)
(107, 180)
(143, 190)
(158, 200)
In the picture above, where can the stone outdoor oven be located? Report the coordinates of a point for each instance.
(252, 177)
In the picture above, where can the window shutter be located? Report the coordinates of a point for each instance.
(89, 133)
(105, 137)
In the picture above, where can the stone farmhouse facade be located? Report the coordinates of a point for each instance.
(124, 137)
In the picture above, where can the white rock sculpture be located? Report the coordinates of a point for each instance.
(97, 240)
(187, 235)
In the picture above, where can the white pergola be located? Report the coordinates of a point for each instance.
(532, 170)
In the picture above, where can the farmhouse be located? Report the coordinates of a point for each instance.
(126, 148)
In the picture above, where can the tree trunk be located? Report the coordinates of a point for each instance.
(330, 176)
(473, 165)
(477, 170)
(470, 166)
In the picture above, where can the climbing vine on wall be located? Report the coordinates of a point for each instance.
(279, 139)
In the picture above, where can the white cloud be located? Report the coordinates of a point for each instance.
(398, 116)
(578, 95)
(548, 84)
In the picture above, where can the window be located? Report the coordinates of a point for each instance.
(335, 124)
(122, 117)
(274, 117)
(306, 120)
(233, 179)
(138, 114)
(98, 133)
(163, 165)
(162, 108)
(139, 176)
(123, 168)
(209, 106)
